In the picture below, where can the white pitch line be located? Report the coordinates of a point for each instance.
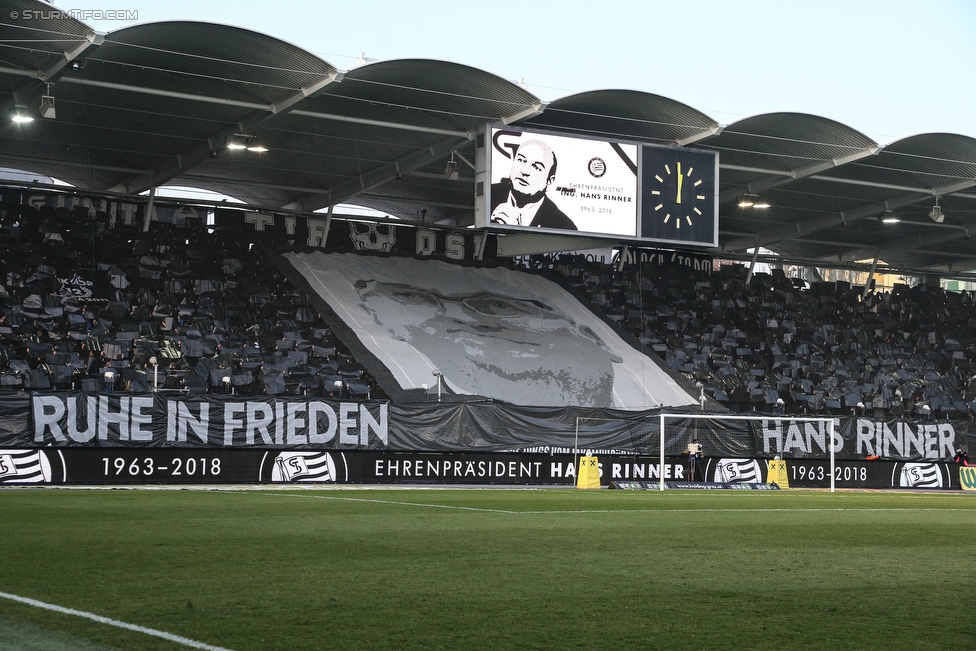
(583, 511)
(362, 499)
(179, 639)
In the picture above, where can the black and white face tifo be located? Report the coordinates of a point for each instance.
(495, 345)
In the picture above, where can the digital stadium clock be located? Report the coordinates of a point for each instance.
(678, 195)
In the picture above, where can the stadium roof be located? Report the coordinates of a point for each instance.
(157, 104)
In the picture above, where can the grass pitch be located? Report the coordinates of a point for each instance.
(488, 569)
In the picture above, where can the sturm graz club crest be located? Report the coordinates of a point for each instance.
(30, 467)
(921, 475)
(735, 471)
(306, 466)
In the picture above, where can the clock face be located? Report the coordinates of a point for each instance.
(678, 195)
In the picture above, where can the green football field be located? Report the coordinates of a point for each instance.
(485, 569)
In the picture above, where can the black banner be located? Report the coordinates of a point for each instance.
(115, 420)
(109, 466)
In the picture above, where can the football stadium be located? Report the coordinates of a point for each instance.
(404, 356)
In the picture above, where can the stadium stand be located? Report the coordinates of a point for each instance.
(205, 306)
(773, 346)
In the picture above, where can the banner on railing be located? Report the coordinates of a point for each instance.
(109, 466)
(158, 420)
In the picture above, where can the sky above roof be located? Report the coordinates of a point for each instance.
(889, 68)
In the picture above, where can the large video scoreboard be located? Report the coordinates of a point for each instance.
(534, 181)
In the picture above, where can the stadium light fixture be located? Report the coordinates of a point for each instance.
(244, 141)
(47, 105)
(451, 171)
(752, 201)
(889, 218)
(936, 213)
(20, 115)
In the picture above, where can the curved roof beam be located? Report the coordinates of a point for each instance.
(844, 217)
(202, 150)
(420, 86)
(141, 38)
(377, 176)
(776, 180)
(622, 114)
(804, 130)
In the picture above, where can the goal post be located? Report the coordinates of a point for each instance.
(665, 417)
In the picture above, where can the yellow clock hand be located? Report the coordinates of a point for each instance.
(680, 177)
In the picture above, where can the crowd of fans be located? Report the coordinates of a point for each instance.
(85, 306)
(88, 307)
(774, 345)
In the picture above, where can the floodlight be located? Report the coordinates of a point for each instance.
(760, 203)
(746, 201)
(20, 115)
(245, 141)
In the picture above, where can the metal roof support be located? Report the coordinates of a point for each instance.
(328, 222)
(701, 135)
(913, 242)
(525, 114)
(383, 123)
(383, 173)
(158, 92)
(752, 265)
(202, 150)
(66, 163)
(867, 283)
(844, 217)
(775, 180)
(149, 209)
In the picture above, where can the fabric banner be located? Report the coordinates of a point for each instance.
(490, 332)
(113, 420)
(126, 466)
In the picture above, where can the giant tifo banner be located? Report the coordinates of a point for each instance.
(489, 332)
(88, 420)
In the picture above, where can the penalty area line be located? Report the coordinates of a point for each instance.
(179, 639)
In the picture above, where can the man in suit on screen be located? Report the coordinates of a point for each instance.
(521, 199)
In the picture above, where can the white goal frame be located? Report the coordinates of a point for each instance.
(830, 433)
